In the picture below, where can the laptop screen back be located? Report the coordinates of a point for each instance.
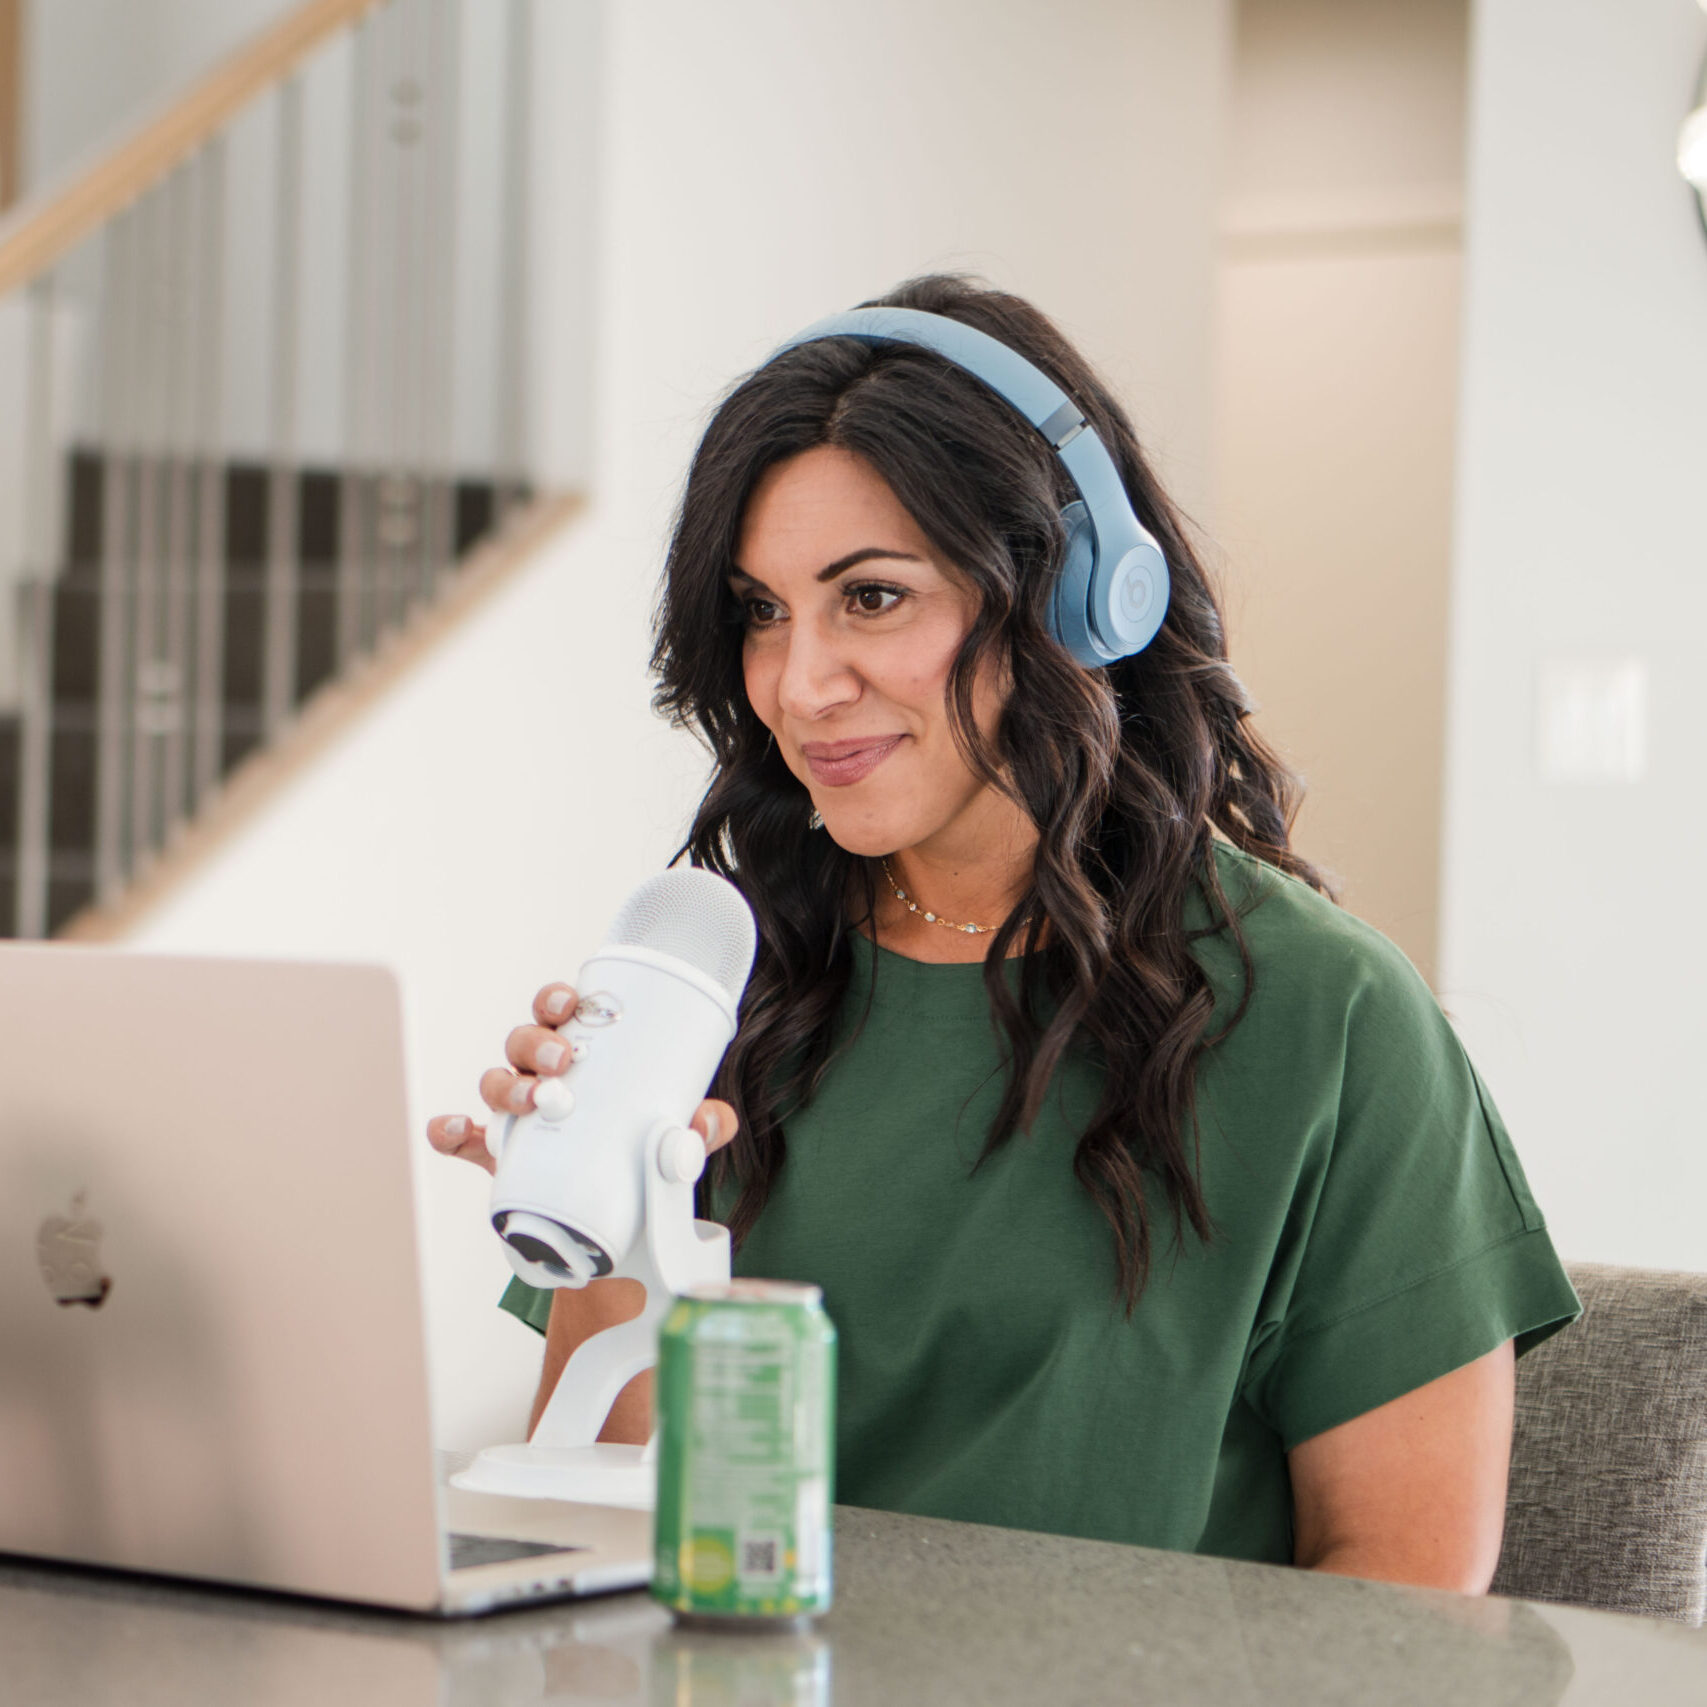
(212, 1357)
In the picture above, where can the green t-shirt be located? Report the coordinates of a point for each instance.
(1373, 1231)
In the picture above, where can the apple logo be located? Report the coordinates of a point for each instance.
(69, 1253)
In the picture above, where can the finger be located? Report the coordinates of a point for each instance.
(715, 1122)
(456, 1135)
(447, 1133)
(507, 1093)
(554, 1004)
(536, 1049)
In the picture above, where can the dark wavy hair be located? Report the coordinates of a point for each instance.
(1128, 772)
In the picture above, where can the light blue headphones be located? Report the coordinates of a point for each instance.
(1113, 591)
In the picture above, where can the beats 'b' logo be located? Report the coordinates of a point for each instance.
(69, 1253)
(1136, 592)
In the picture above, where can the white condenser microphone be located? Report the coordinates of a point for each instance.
(657, 1008)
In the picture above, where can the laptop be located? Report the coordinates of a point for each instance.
(213, 1361)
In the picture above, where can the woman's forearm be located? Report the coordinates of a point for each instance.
(577, 1313)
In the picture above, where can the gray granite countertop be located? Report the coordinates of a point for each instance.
(926, 1611)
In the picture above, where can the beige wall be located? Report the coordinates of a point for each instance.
(1334, 400)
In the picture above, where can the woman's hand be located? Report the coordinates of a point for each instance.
(535, 1052)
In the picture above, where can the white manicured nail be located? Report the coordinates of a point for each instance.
(520, 1091)
(713, 1128)
(550, 1057)
(556, 1002)
(456, 1126)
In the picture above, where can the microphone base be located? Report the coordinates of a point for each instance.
(601, 1474)
(566, 1460)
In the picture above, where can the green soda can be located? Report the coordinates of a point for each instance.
(746, 1400)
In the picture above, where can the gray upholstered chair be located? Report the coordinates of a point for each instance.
(1608, 1500)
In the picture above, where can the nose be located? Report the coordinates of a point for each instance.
(817, 675)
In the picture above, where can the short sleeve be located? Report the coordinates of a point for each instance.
(530, 1304)
(1415, 1245)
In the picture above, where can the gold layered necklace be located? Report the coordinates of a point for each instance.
(913, 906)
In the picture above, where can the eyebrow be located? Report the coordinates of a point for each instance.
(831, 570)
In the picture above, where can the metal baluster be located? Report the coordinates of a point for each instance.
(513, 295)
(396, 405)
(35, 614)
(180, 438)
(354, 532)
(437, 286)
(279, 630)
(112, 719)
(208, 722)
(382, 322)
(35, 747)
(147, 681)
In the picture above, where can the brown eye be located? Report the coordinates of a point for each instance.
(761, 613)
(872, 600)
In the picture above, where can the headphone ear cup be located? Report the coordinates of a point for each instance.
(1127, 603)
(1069, 610)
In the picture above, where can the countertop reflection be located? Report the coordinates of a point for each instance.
(926, 1611)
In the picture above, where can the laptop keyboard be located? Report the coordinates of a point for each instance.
(469, 1550)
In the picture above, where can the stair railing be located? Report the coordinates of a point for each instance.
(267, 361)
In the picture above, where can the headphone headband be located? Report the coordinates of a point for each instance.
(1113, 591)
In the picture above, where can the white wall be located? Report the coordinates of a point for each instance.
(1574, 936)
(754, 165)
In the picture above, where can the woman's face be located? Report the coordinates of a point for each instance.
(853, 624)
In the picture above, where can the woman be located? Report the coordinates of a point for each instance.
(1153, 1197)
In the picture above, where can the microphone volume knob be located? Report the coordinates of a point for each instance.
(681, 1156)
(553, 1100)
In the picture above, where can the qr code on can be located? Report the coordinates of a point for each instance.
(760, 1556)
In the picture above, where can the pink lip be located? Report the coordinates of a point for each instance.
(836, 764)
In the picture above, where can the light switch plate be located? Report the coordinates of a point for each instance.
(1592, 720)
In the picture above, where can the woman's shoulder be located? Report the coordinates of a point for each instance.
(1304, 951)
(1324, 1026)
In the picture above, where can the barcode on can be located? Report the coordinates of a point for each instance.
(760, 1556)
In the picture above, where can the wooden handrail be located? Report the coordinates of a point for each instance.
(41, 229)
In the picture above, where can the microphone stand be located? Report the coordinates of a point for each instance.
(565, 1459)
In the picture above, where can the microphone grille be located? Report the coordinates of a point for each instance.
(696, 916)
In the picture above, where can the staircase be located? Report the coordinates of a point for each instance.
(75, 674)
(178, 603)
